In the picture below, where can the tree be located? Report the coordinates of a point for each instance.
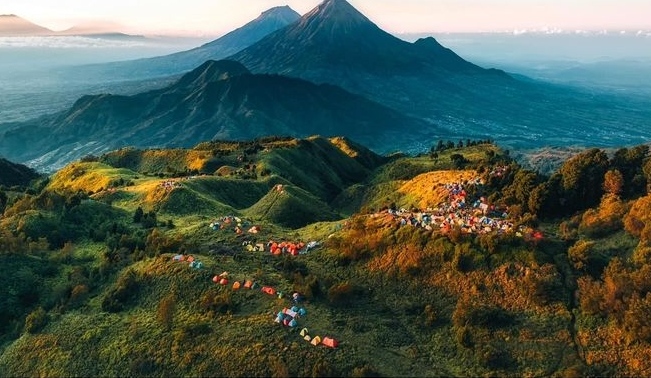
(3, 201)
(613, 182)
(458, 160)
(630, 162)
(137, 217)
(583, 177)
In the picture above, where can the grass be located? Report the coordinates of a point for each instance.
(398, 300)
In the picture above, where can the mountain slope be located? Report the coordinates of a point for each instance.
(218, 100)
(180, 62)
(335, 35)
(12, 25)
(336, 44)
(15, 174)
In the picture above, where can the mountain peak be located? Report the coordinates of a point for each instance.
(13, 25)
(282, 12)
(337, 10)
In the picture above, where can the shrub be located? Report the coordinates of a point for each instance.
(124, 289)
(221, 303)
(36, 320)
(364, 371)
(637, 319)
(494, 357)
(481, 316)
(341, 294)
(165, 312)
(464, 337)
(579, 253)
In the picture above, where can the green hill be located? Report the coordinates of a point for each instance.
(291, 207)
(12, 174)
(550, 278)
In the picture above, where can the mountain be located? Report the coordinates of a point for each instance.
(12, 25)
(218, 100)
(334, 43)
(335, 35)
(177, 63)
(15, 174)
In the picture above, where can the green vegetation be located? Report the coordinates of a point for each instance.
(561, 287)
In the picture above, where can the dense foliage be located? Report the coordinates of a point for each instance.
(567, 292)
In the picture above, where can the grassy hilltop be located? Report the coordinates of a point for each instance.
(510, 273)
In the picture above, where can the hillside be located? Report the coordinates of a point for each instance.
(218, 100)
(454, 263)
(15, 174)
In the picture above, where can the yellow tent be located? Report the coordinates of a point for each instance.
(316, 340)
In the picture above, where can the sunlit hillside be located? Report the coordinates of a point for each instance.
(453, 263)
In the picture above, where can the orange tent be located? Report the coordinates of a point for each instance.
(190, 259)
(269, 290)
(223, 281)
(248, 284)
(330, 342)
(236, 285)
(215, 279)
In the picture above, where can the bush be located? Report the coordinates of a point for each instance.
(364, 371)
(165, 312)
(579, 253)
(481, 316)
(117, 297)
(341, 294)
(221, 303)
(36, 320)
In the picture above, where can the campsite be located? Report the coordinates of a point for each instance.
(323, 260)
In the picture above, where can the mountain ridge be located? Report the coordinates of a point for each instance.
(217, 100)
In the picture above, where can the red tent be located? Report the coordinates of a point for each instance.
(269, 290)
(330, 342)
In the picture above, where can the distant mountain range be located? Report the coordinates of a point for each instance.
(181, 62)
(12, 25)
(218, 100)
(396, 96)
(336, 44)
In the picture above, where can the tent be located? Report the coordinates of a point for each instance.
(248, 284)
(215, 279)
(269, 290)
(289, 312)
(316, 340)
(293, 323)
(178, 258)
(330, 342)
(304, 332)
(223, 281)
(236, 285)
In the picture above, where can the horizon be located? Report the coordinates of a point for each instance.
(410, 16)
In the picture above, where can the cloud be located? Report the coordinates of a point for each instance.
(69, 42)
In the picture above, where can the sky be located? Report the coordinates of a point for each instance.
(216, 17)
